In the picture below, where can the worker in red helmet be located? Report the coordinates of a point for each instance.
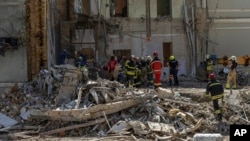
(156, 66)
(155, 54)
(216, 90)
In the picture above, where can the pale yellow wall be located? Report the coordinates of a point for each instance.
(177, 8)
(136, 8)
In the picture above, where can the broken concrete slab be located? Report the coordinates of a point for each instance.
(161, 127)
(121, 127)
(208, 137)
(66, 92)
(7, 121)
(233, 99)
(165, 93)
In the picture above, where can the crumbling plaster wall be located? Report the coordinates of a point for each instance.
(162, 30)
(14, 64)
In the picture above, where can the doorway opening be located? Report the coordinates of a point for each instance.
(167, 52)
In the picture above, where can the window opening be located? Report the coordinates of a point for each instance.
(118, 8)
(164, 8)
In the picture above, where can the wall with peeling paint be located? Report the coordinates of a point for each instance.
(12, 23)
(131, 32)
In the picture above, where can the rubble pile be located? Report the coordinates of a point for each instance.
(68, 103)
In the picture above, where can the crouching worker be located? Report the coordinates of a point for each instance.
(215, 88)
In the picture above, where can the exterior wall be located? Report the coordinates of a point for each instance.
(177, 6)
(229, 8)
(230, 27)
(14, 64)
(133, 33)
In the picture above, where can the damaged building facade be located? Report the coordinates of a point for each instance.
(188, 29)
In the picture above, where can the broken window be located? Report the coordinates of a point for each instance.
(9, 41)
(164, 8)
(118, 8)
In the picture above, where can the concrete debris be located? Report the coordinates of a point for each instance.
(208, 137)
(6, 121)
(121, 127)
(161, 127)
(85, 103)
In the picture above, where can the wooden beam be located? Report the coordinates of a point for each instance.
(83, 114)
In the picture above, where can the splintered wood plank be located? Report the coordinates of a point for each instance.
(83, 114)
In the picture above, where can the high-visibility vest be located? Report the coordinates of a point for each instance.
(156, 65)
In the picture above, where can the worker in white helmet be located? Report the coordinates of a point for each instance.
(231, 78)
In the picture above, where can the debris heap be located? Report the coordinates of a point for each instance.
(67, 103)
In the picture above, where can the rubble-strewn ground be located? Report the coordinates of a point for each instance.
(84, 106)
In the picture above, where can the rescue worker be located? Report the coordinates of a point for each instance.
(156, 66)
(111, 67)
(137, 78)
(122, 73)
(231, 77)
(215, 89)
(143, 71)
(209, 65)
(64, 55)
(150, 76)
(173, 71)
(130, 70)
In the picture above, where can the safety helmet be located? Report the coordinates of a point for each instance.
(149, 58)
(233, 58)
(208, 56)
(171, 57)
(212, 76)
(132, 56)
(155, 53)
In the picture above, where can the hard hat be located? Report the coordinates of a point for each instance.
(132, 56)
(155, 53)
(232, 58)
(211, 76)
(171, 57)
(208, 56)
(149, 58)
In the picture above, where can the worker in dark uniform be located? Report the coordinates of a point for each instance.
(215, 88)
(173, 71)
(150, 75)
(143, 72)
(137, 81)
(130, 70)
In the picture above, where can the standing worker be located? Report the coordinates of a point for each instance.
(137, 78)
(173, 70)
(150, 75)
(131, 70)
(143, 71)
(111, 67)
(231, 78)
(156, 66)
(216, 90)
(209, 65)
